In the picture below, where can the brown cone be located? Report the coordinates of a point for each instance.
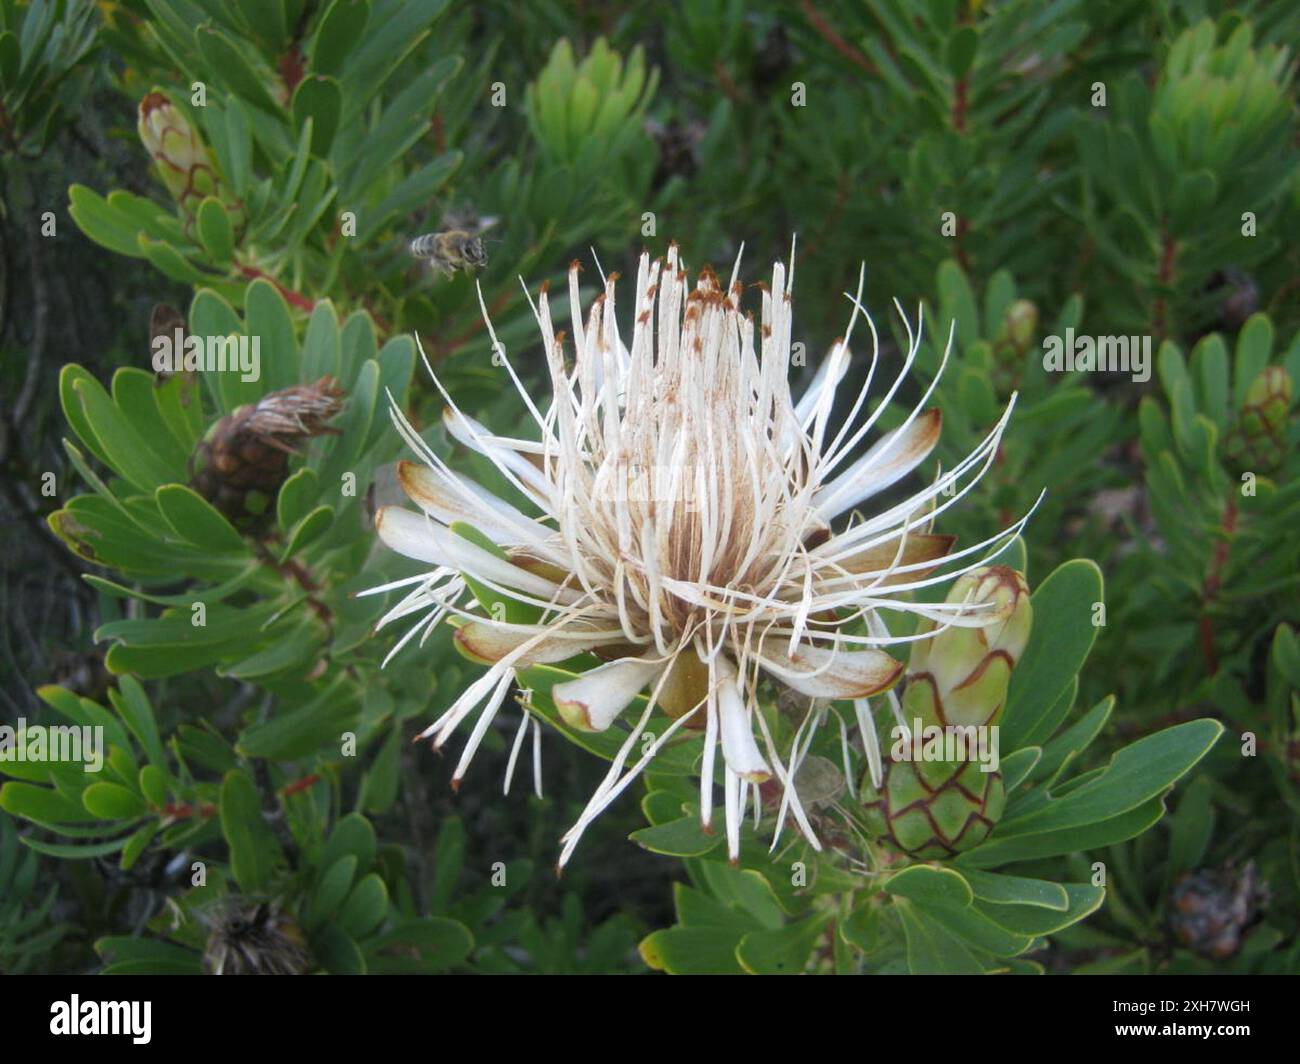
(244, 459)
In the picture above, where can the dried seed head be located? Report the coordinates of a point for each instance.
(241, 464)
(254, 939)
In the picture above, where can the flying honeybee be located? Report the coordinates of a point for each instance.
(448, 252)
(457, 247)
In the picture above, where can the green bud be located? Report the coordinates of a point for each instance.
(960, 676)
(1258, 441)
(931, 810)
(936, 800)
(595, 106)
(1019, 324)
(182, 159)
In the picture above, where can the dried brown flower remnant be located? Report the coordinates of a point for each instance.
(241, 464)
(256, 939)
(1211, 908)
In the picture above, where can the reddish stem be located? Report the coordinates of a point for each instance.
(292, 68)
(1164, 277)
(298, 786)
(185, 810)
(818, 22)
(963, 259)
(960, 102)
(293, 298)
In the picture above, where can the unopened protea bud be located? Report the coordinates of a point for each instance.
(184, 163)
(960, 676)
(1019, 323)
(1259, 439)
(1015, 334)
(942, 791)
(244, 459)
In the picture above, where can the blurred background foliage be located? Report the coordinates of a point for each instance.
(1019, 168)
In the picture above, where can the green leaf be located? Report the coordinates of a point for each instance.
(931, 948)
(41, 804)
(957, 303)
(693, 951)
(930, 885)
(1062, 636)
(296, 496)
(319, 100)
(333, 886)
(354, 835)
(321, 345)
(132, 705)
(784, 951)
(380, 784)
(448, 859)
(999, 851)
(1082, 900)
(307, 531)
(109, 801)
(129, 453)
(224, 58)
(1074, 740)
(153, 785)
(301, 731)
(962, 46)
(74, 412)
(1016, 890)
(104, 225)
(133, 394)
(120, 951)
(338, 952)
(137, 844)
(268, 316)
(168, 260)
(252, 848)
(679, 838)
(293, 650)
(197, 521)
(76, 851)
(1254, 347)
(341, 27)
(1135, 774)
(442, 944)
(1017, 767)
(216, 233)
(365, 908)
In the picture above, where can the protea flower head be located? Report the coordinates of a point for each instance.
(684, 505)
(185, 165)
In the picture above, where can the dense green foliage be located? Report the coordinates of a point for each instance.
(1022, 170)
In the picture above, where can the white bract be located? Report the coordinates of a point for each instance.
(679, 524)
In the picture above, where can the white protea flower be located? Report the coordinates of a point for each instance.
(684, 531)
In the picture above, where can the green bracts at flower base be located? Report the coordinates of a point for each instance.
(936, 801)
